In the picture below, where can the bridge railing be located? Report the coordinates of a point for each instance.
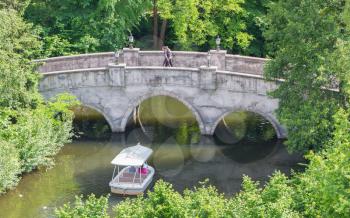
(74, 62)
(180, 59)
(135, 57)
(244, 64)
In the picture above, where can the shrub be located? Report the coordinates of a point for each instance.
(38, 134)
(92, 207)
(9, 166)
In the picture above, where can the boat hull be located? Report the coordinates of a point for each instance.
(131, 189)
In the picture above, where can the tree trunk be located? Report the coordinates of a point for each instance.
(162, 33)
(155, 25)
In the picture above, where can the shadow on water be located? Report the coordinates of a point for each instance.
(244, 144)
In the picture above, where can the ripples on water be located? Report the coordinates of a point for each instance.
(244, 143)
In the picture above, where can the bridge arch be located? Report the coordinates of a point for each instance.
(136, 102)
(269, 117)
(100, 111)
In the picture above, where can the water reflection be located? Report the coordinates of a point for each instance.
(90, 124)
(244, 143)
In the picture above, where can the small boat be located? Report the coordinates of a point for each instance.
(134, 175)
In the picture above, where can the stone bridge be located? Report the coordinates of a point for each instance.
(211, 85)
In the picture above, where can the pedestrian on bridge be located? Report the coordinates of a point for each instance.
(168, 57)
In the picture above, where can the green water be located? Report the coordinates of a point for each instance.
(244, 143)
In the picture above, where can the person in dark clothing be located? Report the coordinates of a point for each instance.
(168, 57)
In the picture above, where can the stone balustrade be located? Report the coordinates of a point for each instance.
(135, 57)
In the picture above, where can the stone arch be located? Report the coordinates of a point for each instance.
(279, 129)
(144, 97)
(102, 112)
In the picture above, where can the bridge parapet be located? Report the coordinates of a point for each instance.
(135, 57)
(73, 62)
(205, 78)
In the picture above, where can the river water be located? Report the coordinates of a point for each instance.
(244, 144)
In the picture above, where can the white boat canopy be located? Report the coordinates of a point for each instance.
(132, 156)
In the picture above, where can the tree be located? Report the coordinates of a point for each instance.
(18, 44)
(31, 130)
(255, 22)
(85, 26)
(323, 189)
(305, 39)
(197, 23)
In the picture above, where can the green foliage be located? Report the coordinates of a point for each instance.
(182, 134)
(274, 200)
(162, 202)
(196, 23)
(10, 166)
(323, 190)
(17, 44)
(306, 39)
(18, 5)
(31, 131)
(187, 133)
(256, 23)
(204, 201)
(92, 207)
(76, 26)
(38, 134)
(54, 46)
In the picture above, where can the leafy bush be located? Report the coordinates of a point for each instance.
(18, 84)
(39, 134)
(31, 130)
(324, 189)
(162, 202)
(274, 200)
(9, 166)
(92, 207)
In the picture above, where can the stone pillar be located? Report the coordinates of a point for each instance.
(131, 56)
(207, 77)
(117, 75)
(218, 59)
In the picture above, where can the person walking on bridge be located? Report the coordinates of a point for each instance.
(168, 57)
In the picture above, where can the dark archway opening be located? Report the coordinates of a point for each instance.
(246, 136)
(160, 118)
(90, 124)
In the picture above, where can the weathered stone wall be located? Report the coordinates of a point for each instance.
(210, 94)
(74, 62)
(242, 64)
